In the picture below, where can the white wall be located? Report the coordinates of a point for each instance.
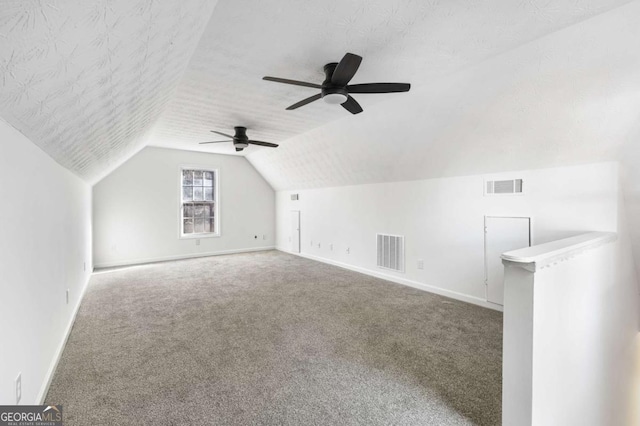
(136, 209)
(571, 327)
(571, 97)
(620, 322)
(45, 239)
(442, 220)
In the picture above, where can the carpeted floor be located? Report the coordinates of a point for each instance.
(273, 339)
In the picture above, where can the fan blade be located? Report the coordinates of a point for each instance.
(239, 149)
(305, 101)
(272, 145)
(201, 143)
(294, 82)
(379, 88)
(346, 69)
(222, 134)
(352, 106)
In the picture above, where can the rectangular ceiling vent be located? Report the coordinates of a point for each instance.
(391, 252)
(502, 187)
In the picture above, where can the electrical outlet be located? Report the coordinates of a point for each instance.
(311, 243)
(67, 295)
(318, 245)
(264, 236)
(289, 239)
(331, 247)
(18, 388)
(420, 264)
(197, 241)
(348, 250)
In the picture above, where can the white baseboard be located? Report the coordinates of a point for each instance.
(56, 359)
(410, 283)
(178, 257)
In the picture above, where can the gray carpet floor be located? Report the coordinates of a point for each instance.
(269, 338)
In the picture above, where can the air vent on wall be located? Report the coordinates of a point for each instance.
(391, 252)
(497, 187)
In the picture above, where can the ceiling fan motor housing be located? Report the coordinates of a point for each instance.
(331, 93)
(240, 140)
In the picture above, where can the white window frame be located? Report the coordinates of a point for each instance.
(216, 201)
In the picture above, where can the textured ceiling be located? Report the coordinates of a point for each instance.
(413, 41)
(92, 82)
(570, 97)
(86, 80)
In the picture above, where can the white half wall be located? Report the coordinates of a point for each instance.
(45, 242)
(570, 331)
(443, 221)
(136, 209)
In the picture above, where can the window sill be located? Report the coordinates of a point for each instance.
(198, 236)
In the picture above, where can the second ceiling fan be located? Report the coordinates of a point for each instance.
(240, 139)
(335, 89)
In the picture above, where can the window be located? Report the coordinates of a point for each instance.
(199, 202)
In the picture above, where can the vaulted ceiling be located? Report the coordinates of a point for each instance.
(567, 98)
(87, 80)
(93, 82)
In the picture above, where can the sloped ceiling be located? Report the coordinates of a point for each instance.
(86, 80)
(93, 82)
(567, 98)
(415, 41)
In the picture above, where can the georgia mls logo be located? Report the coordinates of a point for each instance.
(30, 415)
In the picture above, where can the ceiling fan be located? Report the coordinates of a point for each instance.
(241, 140)
(335, 89)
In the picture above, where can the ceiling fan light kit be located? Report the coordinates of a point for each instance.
(335, 89)
(335, 98)
(331, 93)
(240, 140)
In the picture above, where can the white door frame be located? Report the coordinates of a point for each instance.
(299, 248)
(486, 261)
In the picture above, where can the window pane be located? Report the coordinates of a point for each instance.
(199, 210)
(208, 178)
(187, 210)
(187, 193)
(199, 225)
(208, 194)
(197, 178)
(198, 193)
(187, 177)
